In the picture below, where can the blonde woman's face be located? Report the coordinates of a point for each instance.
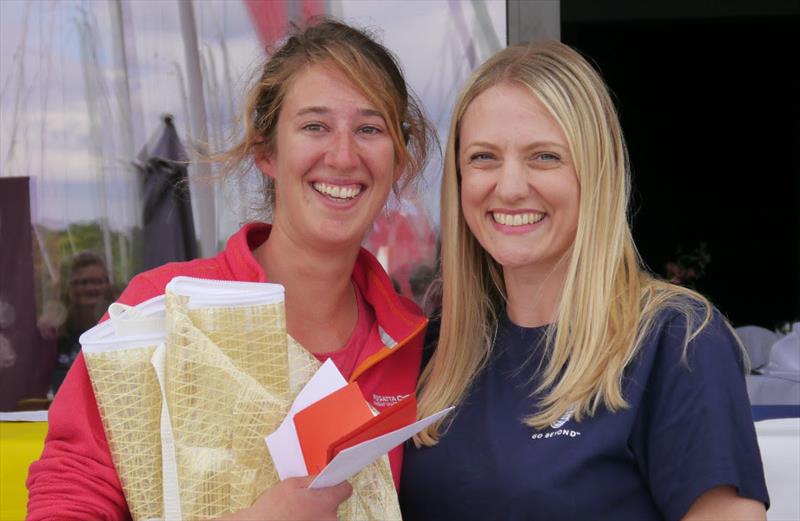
(519, 190)
(333, 162)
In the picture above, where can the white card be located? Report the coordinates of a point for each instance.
(350, 461)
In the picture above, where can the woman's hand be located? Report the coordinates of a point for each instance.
(291, 499)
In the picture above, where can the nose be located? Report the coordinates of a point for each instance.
(513, 182)
(342, 154)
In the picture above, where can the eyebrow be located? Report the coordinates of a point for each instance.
(535, 144)
(324, 110)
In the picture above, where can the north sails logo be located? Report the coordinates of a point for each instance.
(558, 424)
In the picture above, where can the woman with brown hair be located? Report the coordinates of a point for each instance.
(333, 128)
(585, 387)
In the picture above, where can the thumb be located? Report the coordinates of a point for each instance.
(303, 482)
(340, 492)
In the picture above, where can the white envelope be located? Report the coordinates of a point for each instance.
(348, 462)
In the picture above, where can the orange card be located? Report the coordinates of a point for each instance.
(328, 420)
(397, 416)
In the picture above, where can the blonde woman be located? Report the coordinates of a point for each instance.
(586, 389)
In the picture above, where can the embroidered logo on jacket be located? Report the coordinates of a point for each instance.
(386, 400)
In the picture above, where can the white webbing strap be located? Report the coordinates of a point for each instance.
(172, 496)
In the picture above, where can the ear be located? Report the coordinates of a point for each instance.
(265, 161)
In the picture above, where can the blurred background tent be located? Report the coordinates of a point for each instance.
(167, 226)
(81, 83)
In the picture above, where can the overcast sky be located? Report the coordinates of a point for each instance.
(45, 123)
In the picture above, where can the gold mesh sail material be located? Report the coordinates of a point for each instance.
(226, 386)
(129, 401)
(230, 375)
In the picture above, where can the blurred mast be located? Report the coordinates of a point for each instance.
(184, 101)
(130, 210)
(90, 79)
(20, 57)
(200, 180)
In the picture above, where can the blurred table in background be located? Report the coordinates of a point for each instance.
(21, 443)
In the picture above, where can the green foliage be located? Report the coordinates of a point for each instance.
(61, 244)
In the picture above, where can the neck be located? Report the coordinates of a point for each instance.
(534, 293)
(321, 308)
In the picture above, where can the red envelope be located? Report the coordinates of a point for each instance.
(343, 419)
(328, 420)
(397, 416)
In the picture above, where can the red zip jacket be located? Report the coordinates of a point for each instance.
(75, 477)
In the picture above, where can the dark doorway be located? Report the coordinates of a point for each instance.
(710, 107)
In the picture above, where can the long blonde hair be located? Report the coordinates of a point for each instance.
(608, 301)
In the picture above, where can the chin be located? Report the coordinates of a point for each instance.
(340, 234)
(511, 259)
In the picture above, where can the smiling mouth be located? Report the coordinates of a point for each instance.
(339, 193)
(517, 219)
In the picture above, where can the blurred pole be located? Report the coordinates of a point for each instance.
(334, 8)
(485, 32)
(130, 211)
(533, 20)
(90, 80)
(184, 102)
(200, 179)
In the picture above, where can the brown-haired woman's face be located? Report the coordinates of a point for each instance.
(519, 190)
(333, 160)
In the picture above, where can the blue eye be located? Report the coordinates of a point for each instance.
(481, 156)
(313, 127)
(547, 156)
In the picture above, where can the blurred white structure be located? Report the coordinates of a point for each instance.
(779, 441)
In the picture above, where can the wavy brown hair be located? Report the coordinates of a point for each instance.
(367, 63)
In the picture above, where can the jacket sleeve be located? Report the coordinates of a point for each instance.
(75, 477)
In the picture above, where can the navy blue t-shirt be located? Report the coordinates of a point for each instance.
(688, 429)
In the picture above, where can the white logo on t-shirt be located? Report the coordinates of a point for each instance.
(564, 418)
(558, 426)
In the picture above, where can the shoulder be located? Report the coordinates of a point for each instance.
(691, 340)
(152, 283)
(694, 429)
(689, 324)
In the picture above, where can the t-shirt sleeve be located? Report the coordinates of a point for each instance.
(694, 429)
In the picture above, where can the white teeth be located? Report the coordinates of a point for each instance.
(338, 192)
(517, 219)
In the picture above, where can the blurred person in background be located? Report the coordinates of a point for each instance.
(85, 296)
